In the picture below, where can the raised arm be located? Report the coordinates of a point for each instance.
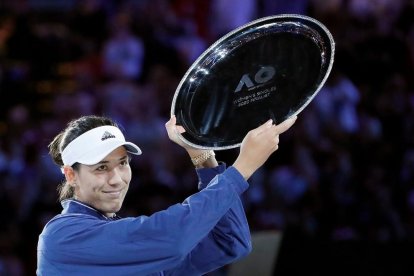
(258, 145)
(230, 239)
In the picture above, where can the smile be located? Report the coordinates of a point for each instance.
(113, 193)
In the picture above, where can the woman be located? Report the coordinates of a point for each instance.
(208, 230)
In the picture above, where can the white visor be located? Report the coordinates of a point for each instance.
(95, 144)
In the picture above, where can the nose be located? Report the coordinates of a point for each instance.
(115, 176)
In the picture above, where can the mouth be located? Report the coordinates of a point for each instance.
(113, 194)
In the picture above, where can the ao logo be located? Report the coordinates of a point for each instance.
(264, 75)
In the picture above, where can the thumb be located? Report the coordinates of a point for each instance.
(171, 121)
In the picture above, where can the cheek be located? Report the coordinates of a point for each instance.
(128, 175)
(91, 184)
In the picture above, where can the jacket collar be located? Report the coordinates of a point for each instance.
(73, 206)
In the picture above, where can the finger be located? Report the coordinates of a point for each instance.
(273, 139)
(171, 121)
(263, 127)
(276, 139)
(285, 125)
(180, 129)
(170, 127)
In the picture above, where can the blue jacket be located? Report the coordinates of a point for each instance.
(208, 230)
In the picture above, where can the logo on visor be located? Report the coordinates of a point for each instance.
(107, 135)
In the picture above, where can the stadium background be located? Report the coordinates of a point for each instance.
(341, 186)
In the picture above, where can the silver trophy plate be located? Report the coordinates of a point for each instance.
(270, 68)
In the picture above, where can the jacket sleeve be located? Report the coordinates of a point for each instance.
(228, 241)
(147, 244)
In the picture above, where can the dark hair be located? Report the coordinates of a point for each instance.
(73, 129)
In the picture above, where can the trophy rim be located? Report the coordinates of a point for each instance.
(240, 29)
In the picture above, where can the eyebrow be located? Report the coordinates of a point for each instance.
(105, 161)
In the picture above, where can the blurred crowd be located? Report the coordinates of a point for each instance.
(345, 171)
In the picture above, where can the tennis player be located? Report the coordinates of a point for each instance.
(205, 232)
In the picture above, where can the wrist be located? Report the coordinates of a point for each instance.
(203, 158)
(244, 170)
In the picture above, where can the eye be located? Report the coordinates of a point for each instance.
(124, 162)
(102, 168)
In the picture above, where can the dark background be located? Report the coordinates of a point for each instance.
(341, 185)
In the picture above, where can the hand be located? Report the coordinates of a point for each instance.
(174, 130)
(258, 145)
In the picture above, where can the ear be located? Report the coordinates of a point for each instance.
(70, 175)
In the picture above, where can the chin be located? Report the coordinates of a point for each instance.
(113, 208)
